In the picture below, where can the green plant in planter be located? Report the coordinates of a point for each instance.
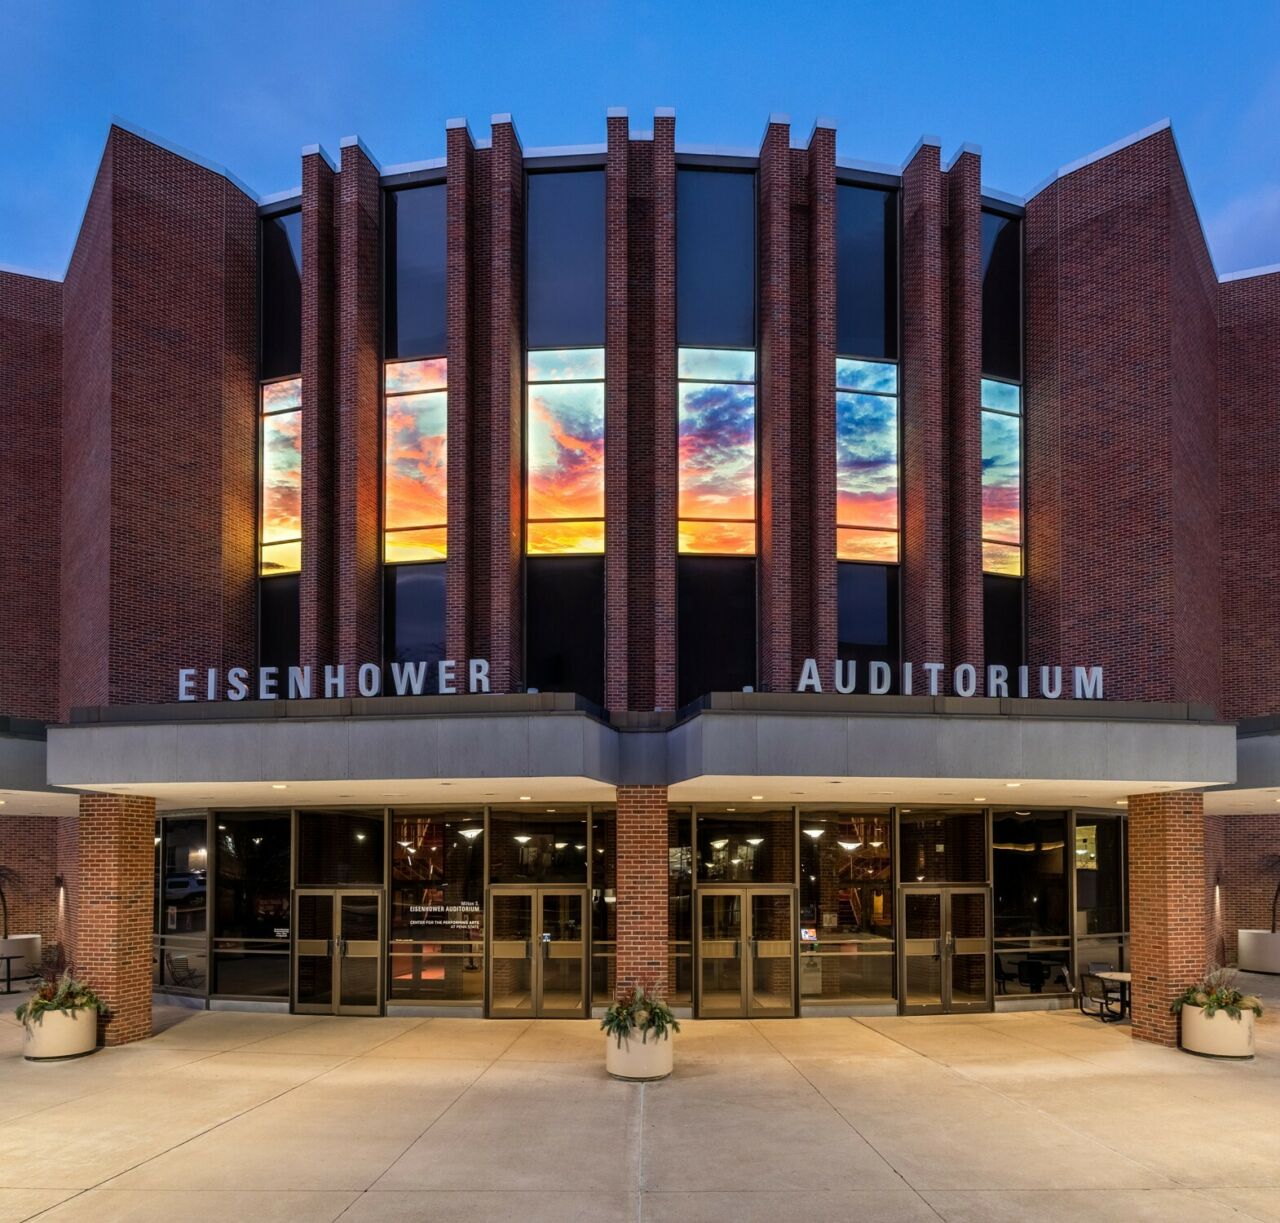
(1217, 992)
(59, 991)
(643, 1012)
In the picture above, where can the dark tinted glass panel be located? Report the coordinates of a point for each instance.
(339, 847)
(251, 905)
(415, 284)
(1099, 864)
(1001, 296)
(413, 604)
(715, 259)
(565, 624)
(866, 272)
(278, 627)
(535, 845)
(1029, 874)
(565, 259)
(717, 603)
(1002, 624)
(846, 906)
(867, 618)
(943, 848)
(604, 907)
(680, 906)
(735, 847)
(185, 856)
(437, 906)
(280, 302)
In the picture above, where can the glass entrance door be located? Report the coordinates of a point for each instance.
(537, 953)
(746, 953)
(337, 951)
(946, 950)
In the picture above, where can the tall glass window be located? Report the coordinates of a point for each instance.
(182, 896)
(1029, 900)
(867, 428)
(436, 923)
(680, 906)
(716, 332)
(251, 904)
(1100, 874)
(565, 434)
(415, 486)
(1003, 561)
(279, 437)
(604, 906)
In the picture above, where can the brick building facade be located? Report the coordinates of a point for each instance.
(1139, 536)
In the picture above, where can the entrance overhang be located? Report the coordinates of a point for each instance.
(784, 747)
(1256, 790)
(24, 788)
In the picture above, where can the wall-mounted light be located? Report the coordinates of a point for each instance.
(59, 882)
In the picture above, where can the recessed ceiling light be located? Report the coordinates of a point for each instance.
(1122, 802)
(1012, 785)
(525, 798)
(979, 798)
(278, 785)
(756, 797)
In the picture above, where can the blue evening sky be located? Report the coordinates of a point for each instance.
(248, 84)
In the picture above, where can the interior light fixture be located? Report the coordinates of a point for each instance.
(404, 844)
(754, 841)
(849, 846)
(814, 833)
(522, 840)
(1122, 802)
(470, 833)
(979, 798)
(579, 848)
(720, 844)
(222, 827)
(735, 861)
(360, 836)
(562, 844)
(256, 840)
(157, 840)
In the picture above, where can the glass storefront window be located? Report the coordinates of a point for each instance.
(1099, 864)
(742, 847)
(1029, 874)
(181, 953)
(680, 908)
(846, 907)
(542, 845)
(604, 908)
(251, 904)
(943, 847)
(436, 926)
(337, 848)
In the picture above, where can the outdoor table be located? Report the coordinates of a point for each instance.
(8, 971)
(1123, 978)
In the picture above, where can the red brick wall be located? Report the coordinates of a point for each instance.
(159, 428)
(642, 888)
(773, 398)
(359, 409)
(30, 492)
(1242, 870)
(316, 587)
(39, 848)
(460, 575)
(1166, 907)
(964, 368)
(117, 868)
(923, 405)
(1248, 392)
(617, 559)
(1120, 379)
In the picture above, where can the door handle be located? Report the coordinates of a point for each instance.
(950, 943)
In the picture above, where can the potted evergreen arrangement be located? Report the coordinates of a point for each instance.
(60, 1019)
(1217, 1019)
(638, 1043)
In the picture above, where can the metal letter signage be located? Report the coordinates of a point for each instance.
(1085, 683)
(366, 680)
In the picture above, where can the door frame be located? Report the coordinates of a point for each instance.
(336, 954)
(746, 891)
(946, 947)
(536, 892)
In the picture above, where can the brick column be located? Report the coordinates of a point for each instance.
(642, 888)
(113, 938)
(822, 380)
(1166, 907)
(504, 443)
(359, 408)
(924, 497)
(774, 406)
(964, 271)
(665, 455)
(616, 340)
(316, 587)
(460, 151)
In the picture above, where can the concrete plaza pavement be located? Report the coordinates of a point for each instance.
(226, 1116)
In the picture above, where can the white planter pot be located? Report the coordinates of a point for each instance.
(1259, 951)
(639, 1060)
(58, 1034)
(1217, 1036)
(21, 944)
